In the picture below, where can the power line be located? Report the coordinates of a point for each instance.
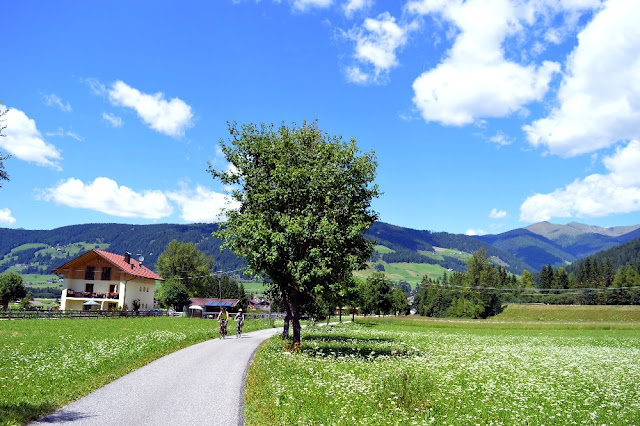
(507, 289)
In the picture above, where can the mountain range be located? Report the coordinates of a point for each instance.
(401, 252)
(546, 243)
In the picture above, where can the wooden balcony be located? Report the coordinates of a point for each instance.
(88, 295)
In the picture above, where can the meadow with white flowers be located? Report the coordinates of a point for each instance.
(45, 364)
(401, 371)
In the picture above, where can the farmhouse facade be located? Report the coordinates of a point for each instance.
(98, 279)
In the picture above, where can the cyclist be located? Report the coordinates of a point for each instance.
(223, 317)
(239, 319)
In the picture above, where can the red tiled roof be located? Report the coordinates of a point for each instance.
(133, 267)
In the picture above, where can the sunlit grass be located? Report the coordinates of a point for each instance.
(457, 373)
(45, 364)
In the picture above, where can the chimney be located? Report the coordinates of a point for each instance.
(127, 257)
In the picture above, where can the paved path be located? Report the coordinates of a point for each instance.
(201, 384)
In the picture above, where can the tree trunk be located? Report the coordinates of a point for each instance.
(340, 311)
(287, 319)
(353, 315)
(295, 319)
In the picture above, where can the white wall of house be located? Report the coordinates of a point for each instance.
(135, 289)
(139, 289)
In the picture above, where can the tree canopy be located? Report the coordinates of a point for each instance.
(11, 288)
(185, 263)
(304, 205)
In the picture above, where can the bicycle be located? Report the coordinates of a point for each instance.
(239, 329)
(223, 329)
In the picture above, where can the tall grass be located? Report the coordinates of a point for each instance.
(45, 364)
(387, 372)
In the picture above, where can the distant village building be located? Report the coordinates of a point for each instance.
(203, 306)
(259, 304)
(98, 279)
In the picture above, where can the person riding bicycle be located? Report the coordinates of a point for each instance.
(223, 317)
(239, 319)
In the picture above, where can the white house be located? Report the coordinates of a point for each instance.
(109, 280)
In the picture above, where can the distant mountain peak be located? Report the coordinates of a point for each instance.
(554, 231)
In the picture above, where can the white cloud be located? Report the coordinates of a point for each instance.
(54, 100)
(599, 98)
(202, 204)
(97, 88)
(62, 132)
(6, 218)
(305, 5)
(105, 196)
(352, 6)
(597, 195)
(376, 44)
(475, 79)
(472, 232)
(112, 119)
(169, 117)
(24, 141)
(500, 139)
(497, 214)
(355, 75)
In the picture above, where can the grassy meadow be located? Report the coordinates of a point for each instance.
(413, 272)
(45, 364)
(392, 371)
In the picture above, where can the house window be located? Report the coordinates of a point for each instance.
(88, 288)
(106, 273)
(90, 273)
(113, 288)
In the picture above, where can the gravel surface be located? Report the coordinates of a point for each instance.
(201, 384)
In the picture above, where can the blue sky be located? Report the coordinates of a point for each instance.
(485, 115)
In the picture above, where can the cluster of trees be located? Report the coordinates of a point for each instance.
(188, 273)
(378, 295)
(11, 288)
(595, 282)
(474, 293)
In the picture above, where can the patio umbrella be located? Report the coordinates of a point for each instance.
(91, 303)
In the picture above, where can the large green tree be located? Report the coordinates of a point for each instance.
(185, 263)
(304, 201)
(11, 288)
(173, 294)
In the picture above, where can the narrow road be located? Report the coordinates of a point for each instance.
(201, 384)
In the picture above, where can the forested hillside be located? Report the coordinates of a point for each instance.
(408, 243)
(33, 252)
(617, 257)
(42, 251)
(545, 243)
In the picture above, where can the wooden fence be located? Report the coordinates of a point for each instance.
(49, 314)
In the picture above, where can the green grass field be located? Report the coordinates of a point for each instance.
(383, 249)
(45, 364)
(570, 313)
(410, 272)
(453, 253)
(258, 288)
(389, 371)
